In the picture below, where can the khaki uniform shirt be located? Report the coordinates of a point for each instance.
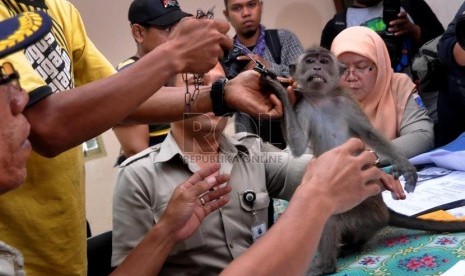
(147, 180)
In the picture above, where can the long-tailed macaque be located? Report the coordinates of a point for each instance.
(325, 117)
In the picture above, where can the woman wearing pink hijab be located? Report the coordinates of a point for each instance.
(389, 99)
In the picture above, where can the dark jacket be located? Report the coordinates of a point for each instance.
(451, 99)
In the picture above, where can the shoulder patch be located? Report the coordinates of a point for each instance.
(22, 30)
(143, 154)
(418, 100)
(126, 63)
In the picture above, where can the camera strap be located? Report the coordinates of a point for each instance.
(274, 44)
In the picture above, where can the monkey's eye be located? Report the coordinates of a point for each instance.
(309, 60)
(324, 61)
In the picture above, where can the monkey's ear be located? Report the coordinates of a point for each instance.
(292, 69)
(342, 68)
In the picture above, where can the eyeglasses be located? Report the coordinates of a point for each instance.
(359, 69)
(8, 74)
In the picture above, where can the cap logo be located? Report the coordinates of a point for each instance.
(29, 23)
(170, 3)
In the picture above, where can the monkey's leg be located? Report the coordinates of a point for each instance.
(326, 259)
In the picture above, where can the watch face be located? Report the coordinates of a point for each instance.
(34, 3)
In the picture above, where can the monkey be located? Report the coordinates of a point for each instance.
(324, 117)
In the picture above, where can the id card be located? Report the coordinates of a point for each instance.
(258, 230)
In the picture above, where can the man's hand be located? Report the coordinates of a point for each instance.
(193, 200)
(403, 26)
(199, 44)
(345, 176)
(245, 93)
(391, 184)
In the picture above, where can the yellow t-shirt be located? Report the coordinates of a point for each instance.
(45, 218)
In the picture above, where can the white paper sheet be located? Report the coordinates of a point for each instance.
(432, 190)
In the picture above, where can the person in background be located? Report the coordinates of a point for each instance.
(390, 100)
(412, 27)
(451, 99)
(275, 49)
(151, 23)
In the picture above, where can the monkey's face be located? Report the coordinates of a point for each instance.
(316, 70)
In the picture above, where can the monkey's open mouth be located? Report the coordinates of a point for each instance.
(316, 78)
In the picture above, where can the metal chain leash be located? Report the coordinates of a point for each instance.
(189, 98)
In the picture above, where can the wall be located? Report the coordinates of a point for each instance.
(444, 12)
(107, 26)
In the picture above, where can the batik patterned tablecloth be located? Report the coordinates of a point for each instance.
(396, 251)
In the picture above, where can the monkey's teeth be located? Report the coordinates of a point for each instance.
(318, 79)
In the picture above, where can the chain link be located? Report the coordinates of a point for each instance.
(189, 98)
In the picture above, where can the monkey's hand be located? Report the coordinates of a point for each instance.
(403, 167)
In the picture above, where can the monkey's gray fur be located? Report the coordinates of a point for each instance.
(325, 117)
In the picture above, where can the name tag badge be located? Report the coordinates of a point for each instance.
(258, 230)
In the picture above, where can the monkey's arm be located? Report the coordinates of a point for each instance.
(294, 133)
(361, 126)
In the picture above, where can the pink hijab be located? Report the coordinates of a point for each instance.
(386, 103)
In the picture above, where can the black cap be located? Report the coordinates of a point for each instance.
(155, 12)
(22, 30)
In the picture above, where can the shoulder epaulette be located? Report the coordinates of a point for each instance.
(140, 155)
(126, 63)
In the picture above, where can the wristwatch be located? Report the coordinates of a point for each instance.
(217, 97)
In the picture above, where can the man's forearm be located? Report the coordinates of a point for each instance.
(91, 109)
(169, 105)
(148, 257)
